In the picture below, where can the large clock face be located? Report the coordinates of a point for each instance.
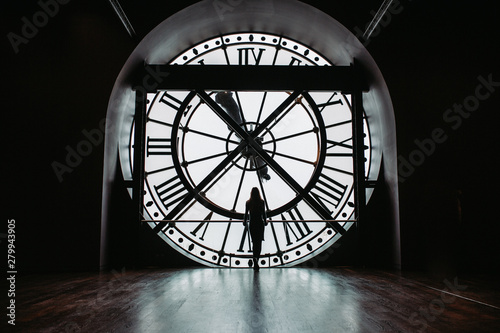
(205, 150)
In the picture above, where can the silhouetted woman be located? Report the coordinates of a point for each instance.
(255, 213)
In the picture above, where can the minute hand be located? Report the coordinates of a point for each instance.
(247, 138)
(318, 208)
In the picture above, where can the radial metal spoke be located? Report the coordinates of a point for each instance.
(339, 123)
(205, 158)
(240, 110)
(226, 170)
(262, 106)
(289, 136)
(240, 184)
(147, 173)
(290, 157)
(201, 186)
(278, 119)
(222, 114)
(213, 136)
(350, 173)
(159, 122)
(339, 144)
(277, 115)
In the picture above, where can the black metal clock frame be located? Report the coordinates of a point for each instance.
(198, 79)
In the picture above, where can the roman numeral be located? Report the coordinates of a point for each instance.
(158, 146)
(331, 101)
(171, 191)
(331, 144)
(204, 223)
(299, 228)
(295, 62)
(171, 101)
(328, 192)
(340, 123)
(244, 56)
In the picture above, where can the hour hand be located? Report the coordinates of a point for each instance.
(226, 100)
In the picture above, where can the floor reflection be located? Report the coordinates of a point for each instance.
(236, 300)
(274, 300)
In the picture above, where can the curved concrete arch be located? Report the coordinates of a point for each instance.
(289, 18)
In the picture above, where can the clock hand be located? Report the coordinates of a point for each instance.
(308, 198)
(194, 192)
(260, 128)
(261, 168)
(219, 111)
(231, 117)
(249, 139)
(226, 100)
(230, 113)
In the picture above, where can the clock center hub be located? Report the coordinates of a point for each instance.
(251, 160)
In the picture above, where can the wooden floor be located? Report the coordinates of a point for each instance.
(273, 300)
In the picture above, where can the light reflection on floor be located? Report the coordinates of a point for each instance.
(205, 300)
(237, 300)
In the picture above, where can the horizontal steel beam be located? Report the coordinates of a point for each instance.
(240, 221)
(346, 79)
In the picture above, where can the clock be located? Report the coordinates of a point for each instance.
(205, 150)
(191, 146)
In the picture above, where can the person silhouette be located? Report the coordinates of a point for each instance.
(255, 214)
